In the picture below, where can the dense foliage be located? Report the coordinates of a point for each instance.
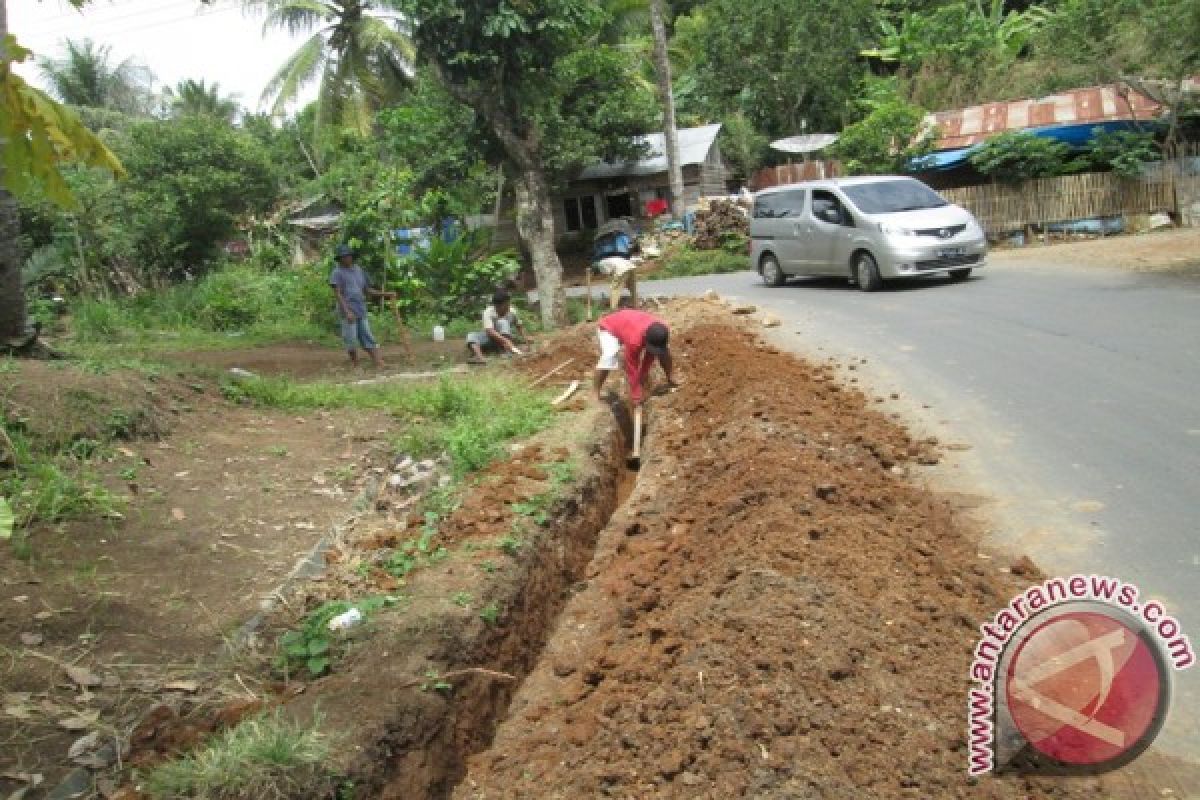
(433, 110)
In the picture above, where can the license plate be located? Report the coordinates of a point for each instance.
(952, 252)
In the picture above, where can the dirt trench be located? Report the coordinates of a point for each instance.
(778, 609)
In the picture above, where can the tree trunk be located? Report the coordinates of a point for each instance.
(662, 66)
(12, 293)
(535, 223)
(535, 211)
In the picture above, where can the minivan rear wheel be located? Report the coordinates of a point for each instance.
(772, 274)
(866, 272)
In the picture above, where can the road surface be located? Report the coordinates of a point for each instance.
(1071, 394)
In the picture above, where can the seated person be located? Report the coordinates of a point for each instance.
(502, 329)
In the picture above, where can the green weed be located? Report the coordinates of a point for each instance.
(266, 757)
(461, 599)
(433, 682)
(312, 646)
(511, 544)
(490, 613)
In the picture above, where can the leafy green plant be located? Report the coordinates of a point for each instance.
(313, 646)
(268, 756)
(488, 567)
(490, 614)
(7, 520)
(1015, 157)
(462, 599)
(433, 682)
(511, 544)
(1124, 152)
(536, 508)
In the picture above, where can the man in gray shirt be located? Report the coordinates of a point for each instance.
(351, 286)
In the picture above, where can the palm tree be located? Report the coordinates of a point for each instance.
(191, 97)
(360, 49)
(662, 69)
(626, 28)
(86, 76)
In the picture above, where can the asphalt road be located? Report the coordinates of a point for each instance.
(1072, 397)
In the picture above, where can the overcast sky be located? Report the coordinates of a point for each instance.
(176, 39)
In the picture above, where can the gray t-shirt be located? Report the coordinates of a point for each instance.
(353, 283)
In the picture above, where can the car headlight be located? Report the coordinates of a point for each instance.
(895, 230)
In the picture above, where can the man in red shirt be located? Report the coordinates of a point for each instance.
(643, 338)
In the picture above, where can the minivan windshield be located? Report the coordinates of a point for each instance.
(889, 197)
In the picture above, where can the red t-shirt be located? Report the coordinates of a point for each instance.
(629, 326)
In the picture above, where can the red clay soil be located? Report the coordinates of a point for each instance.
(777, 610)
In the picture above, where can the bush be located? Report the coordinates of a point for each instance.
(1015, 157)
(238, 297)
(189, 181)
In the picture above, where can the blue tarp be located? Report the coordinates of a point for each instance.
(1074, 134)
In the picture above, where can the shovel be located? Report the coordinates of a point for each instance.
(635, 458)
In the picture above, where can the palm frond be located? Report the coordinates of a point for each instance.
(298, 16)
(298, 70)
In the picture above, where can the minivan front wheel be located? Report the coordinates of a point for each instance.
(772, 274)
(866, 272)
(960, 274)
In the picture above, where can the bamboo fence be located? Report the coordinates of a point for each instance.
(1001, 209)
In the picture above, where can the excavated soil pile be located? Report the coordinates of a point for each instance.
(777, 611)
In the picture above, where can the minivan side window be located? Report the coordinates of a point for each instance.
(824, 201)
(779, 205)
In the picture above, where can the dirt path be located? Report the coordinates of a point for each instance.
(777, 611)
(1163, 251)
(310, 361)
(218, 513)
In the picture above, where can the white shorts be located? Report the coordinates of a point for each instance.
(610, 348)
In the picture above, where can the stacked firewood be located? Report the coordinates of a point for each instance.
(717, 224)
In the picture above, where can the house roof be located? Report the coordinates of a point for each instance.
(1096, 104)
(694, 146)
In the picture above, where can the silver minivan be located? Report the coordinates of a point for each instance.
(867, 229)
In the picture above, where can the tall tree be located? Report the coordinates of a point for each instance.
(197, 98)
(85, 75)
(358, 49)
(553, 97)
(662, 67)
(782, 62)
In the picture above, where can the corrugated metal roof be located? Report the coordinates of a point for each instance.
(967, 126)
(694, 146)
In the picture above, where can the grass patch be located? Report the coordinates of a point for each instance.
(264, 758)
(686, 261)
(470, 420)
(45, 486)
